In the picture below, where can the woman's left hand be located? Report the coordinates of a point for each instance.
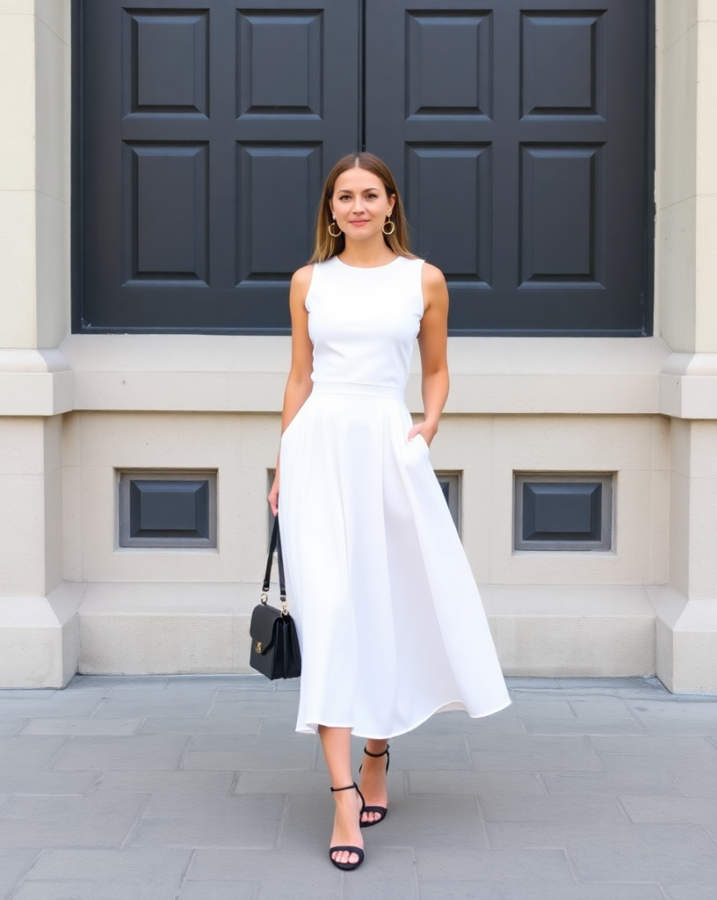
(425, 429)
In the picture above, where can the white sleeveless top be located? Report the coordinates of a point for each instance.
(363, 322)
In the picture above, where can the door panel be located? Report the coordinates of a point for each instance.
(210, 127)
(519, 134)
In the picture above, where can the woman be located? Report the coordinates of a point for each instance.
(390, 621)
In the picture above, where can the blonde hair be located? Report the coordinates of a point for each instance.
(326, 246)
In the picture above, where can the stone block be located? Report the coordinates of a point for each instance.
(102, 820)
(140, 751)
(71, 726)
(248, 822)
(525, 784)
(532, 753)
(220, 890)
(547, 866)
(309, 873)
(387, 872)
(177, 783)
(14, 865)
(647, 854)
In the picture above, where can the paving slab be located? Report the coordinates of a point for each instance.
(220, 890)
(565, 809)
(177, 783)
(10, 725)
(40, 782)
(141, 873)
(14, 865)
(310, 875)
(392, 874)
(74, 725)
(645, 782)
(486, 784)
(248, 821)
(546, 866)
(22, 754)
(158, 703)
(667, 854)
(542, 753)
(101, 820)
(690, 892)
(240, 751)
(141, 751)
(200, 725)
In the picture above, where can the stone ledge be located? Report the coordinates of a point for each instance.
(247, 374)
(35, 383)
(688, 386)
(489, 376)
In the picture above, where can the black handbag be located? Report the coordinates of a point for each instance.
(275, 648)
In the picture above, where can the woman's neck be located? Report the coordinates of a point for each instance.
(366, 254)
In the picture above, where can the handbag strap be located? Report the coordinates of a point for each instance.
(275, 545)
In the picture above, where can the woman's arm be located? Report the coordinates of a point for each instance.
(432, 342)
(298, 384)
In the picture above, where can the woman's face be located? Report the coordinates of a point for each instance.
(360, 203)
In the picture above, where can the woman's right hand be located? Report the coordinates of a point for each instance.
(274, 495)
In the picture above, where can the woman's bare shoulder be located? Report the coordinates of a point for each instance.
(432, 276)
(302, 277)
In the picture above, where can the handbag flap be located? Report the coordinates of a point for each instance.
(261, 627)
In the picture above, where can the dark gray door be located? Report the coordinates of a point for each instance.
(519, 130)
(208, 130)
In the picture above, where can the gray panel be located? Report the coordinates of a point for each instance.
(448, 59)
(450, 483)
(563, 511)
(168, 59)
(165, 236)
(450, 207)
(275, 238)
(168, 509)
(280, 63)
(562, 64)
(560, 231)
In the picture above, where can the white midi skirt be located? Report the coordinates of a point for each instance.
(390, 620)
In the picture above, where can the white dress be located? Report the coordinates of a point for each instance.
(390, 620)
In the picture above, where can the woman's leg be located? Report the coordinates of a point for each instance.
(373, 778)
(336, 743)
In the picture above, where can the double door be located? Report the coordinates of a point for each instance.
(519, 132)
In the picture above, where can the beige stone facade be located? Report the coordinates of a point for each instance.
(77, 409)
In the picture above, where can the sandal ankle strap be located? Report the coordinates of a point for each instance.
(348, 787)
(377, 755)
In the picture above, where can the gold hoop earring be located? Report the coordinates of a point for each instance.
(393, 227)
(331, 224)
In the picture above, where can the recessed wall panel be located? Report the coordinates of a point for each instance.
(279, 186)
(559, 202)
(165, 232)
(449, 206)
(280, 63)
(166, 66)
(448, 64)
(561, 64)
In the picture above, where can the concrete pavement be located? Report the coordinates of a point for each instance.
(197, 788)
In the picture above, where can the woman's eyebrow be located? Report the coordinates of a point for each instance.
(365, 190)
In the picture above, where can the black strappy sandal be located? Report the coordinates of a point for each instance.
(347, 866)
(381, 810)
